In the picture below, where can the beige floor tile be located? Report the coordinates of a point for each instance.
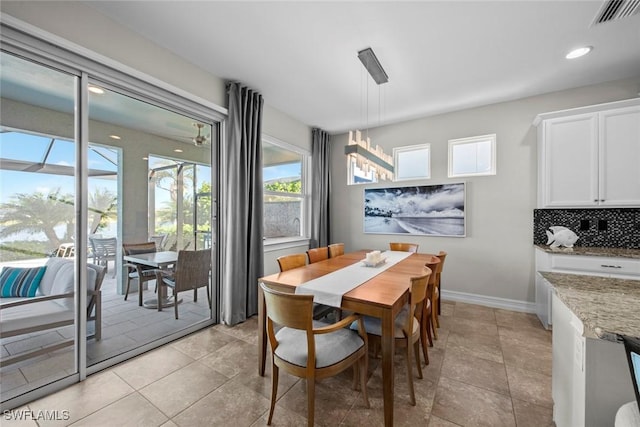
(468, 405)
(235, 358)
(182, 388)
(530, 415)
(131, 411)
(530, 386)
(82, 399)
(475, 312)
(470, 326)
(152, 366)
(466, 368)
(169, 424)
(483, 346)
(281, 417)
(231, 404)
(532, 355)
(439, 422)
(202, 343)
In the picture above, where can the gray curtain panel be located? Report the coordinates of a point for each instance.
(320, 188)
(242, 227)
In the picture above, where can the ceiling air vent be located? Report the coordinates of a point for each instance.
(613, 10)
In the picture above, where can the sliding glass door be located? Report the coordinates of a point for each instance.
(88, 167)
(38, 150)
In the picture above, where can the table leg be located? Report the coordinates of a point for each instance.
(160, 297)
(262, 332)
(387, 366)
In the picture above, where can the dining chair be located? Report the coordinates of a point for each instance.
(103, 251)
(407, 327)
(311, 350)
(436, 299)
(159, 240)
(141, 273)
(403, 247)
(318, 254)
(426, 325)
(288, 262)
(192, 271)
(336, 249)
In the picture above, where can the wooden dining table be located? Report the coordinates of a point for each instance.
(383, 297)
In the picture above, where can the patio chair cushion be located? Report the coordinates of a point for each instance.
(59, 279)
(20, 282)
(35, 315)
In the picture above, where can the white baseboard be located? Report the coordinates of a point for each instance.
(495, 302)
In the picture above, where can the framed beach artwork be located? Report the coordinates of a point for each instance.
(434, 210)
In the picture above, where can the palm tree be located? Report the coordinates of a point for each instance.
(38, 213)
(102, 209)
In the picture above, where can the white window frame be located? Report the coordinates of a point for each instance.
(305, 195)
(472, 140)
(397, 164)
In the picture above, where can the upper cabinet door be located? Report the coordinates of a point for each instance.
(570, 161)
(619, 153)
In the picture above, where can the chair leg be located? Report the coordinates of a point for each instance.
(412, 395)
(175, 302)
(274, 390)
(195, 294)
(429, 328)
(424, 331)
(416, 348)
(434, 324)
(363, 379)
(311, 399)
(126, 292)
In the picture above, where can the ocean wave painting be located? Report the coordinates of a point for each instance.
(437, 210)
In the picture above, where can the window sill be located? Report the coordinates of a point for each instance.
(276, 244)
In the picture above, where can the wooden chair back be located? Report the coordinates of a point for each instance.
(403, 247)
(318, 254)
(336, 249)
(291, 311)
(288, 262)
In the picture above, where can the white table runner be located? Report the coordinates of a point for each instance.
(328, 289)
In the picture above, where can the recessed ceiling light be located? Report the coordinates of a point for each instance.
(96, 90)
(145, 158)
(114, 137)
(577, 53)
(177, 150)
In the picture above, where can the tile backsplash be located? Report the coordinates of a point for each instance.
(614, 228)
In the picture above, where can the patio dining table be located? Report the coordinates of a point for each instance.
(160, 260)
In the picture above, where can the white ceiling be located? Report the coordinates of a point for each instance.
(440, 56)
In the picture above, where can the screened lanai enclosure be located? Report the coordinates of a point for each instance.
(87, 166)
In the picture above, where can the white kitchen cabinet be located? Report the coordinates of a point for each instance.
(616, 267)
(589, 156)
(590, 377)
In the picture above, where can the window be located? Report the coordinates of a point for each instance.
(472, 156)
(412, 162)
(284, 169)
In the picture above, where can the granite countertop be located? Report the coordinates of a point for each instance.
(607, 307)
(593, 251)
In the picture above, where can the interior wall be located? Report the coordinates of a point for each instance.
(495, 259)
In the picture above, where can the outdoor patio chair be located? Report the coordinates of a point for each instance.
(104, 250)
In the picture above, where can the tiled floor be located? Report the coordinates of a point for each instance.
(489, 367)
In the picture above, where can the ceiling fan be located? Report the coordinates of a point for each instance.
(199, 139)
